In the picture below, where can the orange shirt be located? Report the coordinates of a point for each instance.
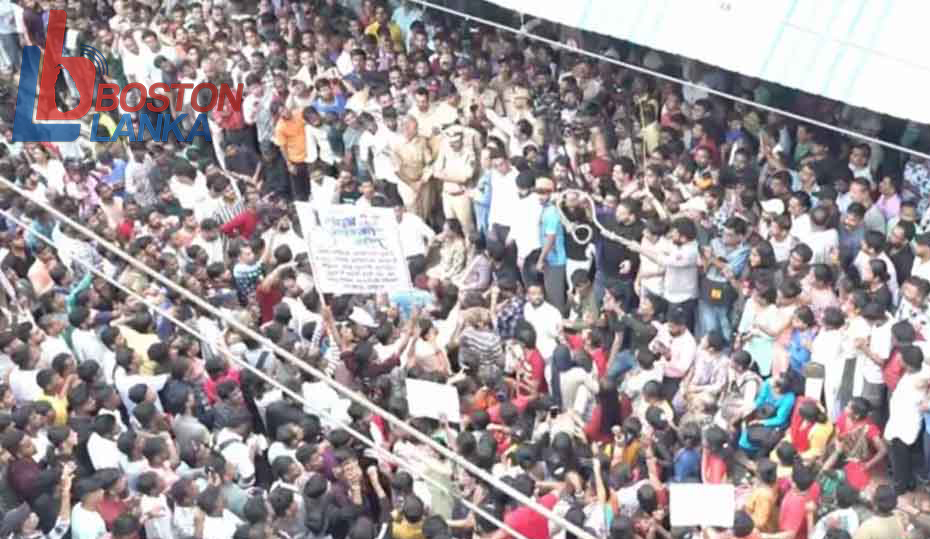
(289, 136)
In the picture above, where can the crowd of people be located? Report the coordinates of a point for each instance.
(630, 284)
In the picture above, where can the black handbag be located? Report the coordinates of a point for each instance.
(715, 293)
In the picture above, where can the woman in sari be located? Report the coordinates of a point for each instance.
(760, 269)
(771, 412)
(739, 394)
(706, 377)
(858, 446)
(810, 430)
(760, 311)
(773, 331)
(452, 254)
(819, 291)
(826, 350)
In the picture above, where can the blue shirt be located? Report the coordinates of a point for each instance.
(117, 171)
(338, 105)
(687, 466)
(798, 355)
(407, 300)
(783, 406)
(551, 225)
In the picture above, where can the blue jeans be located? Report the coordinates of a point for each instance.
(481, 218)
(621, 364)
(926, 447)
(714, 318)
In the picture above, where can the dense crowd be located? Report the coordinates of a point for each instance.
(630, 284)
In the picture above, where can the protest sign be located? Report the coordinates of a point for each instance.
(697, 504)
(354, 249)
(429, 399)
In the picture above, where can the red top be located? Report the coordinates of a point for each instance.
(227, 118)
(209, 385)
(793, 515)
(856, 474)
(576, 342)
(267, 299)
(799, 428)
(528, 522)
(713, 468)
(494, 412)
(534, 367)
(125, 229)
(243, 225)
(893, 370)
(110, 509)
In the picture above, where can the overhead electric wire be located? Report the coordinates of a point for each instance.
(646, 71)
(382, 452)
(300, 364)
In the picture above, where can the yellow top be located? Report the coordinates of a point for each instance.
(60, 405)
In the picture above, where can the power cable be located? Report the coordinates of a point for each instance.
(646, 71)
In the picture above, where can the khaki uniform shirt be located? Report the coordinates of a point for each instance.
(412, 158)
(455, 168)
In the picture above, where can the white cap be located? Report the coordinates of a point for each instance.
(775, 206)
(361, 317)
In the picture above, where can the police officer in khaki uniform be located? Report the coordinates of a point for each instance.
(456, 166)
(413, 161)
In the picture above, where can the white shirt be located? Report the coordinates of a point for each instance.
(24, 386)
(782, 248)
(222, 527)
(213, 248)
(278, 449)
(525, 230)
(190, 195)
(124, 382)
(547, 321)
(237, 453)
(822, 242)
(414, 235)
(51, 347)
(504, 198)
(289, 238)
(103, 451)
(324, 193)
(921, 269)
(87, 346)
(904, 417)
(318, 146)
(656, 284)
(801, 227)
(880, 345)
(157, 527)
(86, 524)
(681, 273)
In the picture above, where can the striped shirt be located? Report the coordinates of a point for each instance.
(479, 347)
(226, 212)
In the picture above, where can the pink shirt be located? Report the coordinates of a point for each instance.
(683, 349)
(890, 206)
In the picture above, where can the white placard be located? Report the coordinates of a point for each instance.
(429, 399)
(697, 504)
(354, 249)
